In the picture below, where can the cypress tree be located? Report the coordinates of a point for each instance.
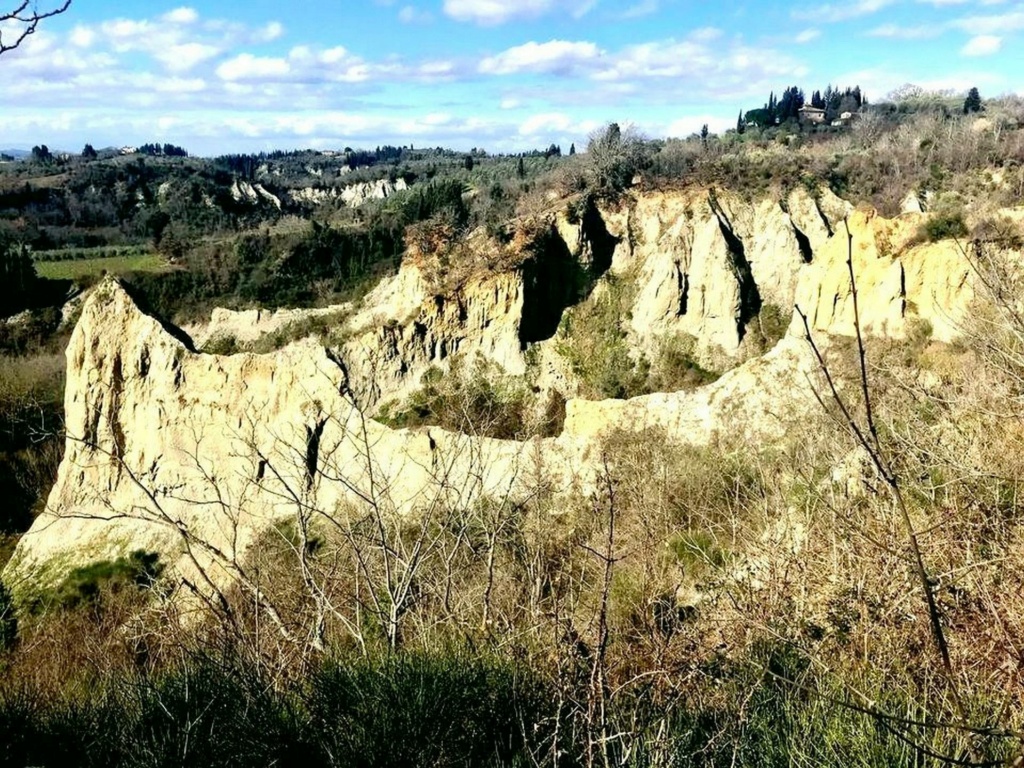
(973, 102)
(17, 278)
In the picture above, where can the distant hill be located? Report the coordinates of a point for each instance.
(17, 154)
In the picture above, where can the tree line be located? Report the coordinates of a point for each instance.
(786, 108)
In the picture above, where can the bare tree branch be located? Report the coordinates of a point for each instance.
(22, 22)
(873, 447)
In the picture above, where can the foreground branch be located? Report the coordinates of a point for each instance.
(22, 22)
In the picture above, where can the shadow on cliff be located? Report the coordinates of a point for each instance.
(554, 279)
(750, 295)
(143, 304)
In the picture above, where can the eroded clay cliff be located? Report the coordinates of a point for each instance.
(196, 455)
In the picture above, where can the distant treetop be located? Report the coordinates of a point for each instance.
(973, 102)
(779, 110)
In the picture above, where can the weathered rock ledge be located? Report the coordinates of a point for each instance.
(196, 456)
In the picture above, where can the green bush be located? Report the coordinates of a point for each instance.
(674, 368)
(422, 710)
(772, 323)
(87, 584)
(944, 225)
(439, 711)
(473, 398)
(8, 619)
(593, 340)
(697, 551)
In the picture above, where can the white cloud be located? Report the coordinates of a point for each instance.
(982, 45)
(82, 37)
(807, 36)
(272, 31)
(437, 69)
(881, 81)
(834, 12)
(898, 32)
(410, 14)
(687, 126)
(554, 56)
(992, 24)
(245, 66)
(698, 62)
(545, 127)
(494, 12)
(180, 85)
(180, 58)
(183, 15)
(176, 40)
(554, 122)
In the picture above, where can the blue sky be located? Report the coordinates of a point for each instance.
(261, 74)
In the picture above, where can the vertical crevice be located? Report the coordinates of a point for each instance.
(313, 437)
(602, 242)
(804, 243)
(903, 291)
(750, 295)
(824, 218)
(683, 282)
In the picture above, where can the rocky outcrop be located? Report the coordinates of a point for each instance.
(244, 192)
(899, 281)
(397, 332)
(404, 329)
(250, 325)
(196, 455)
(699, 264)
(706, 263)
(353, 195)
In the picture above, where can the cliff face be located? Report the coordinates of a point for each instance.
(699, 264)
(353, 195)
(899, 282)
(196, 455)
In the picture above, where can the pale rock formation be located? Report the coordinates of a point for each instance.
(244, 192)
(706, 263)
(314, 195)
(353, 195)
(169, 446)
(746, 402)
(911, 203)
(21, 318)
(701, 266)
(250, 325)
(195, 456)
(403, 330)
(265, 194)
(898, 281)
(399, 330)
(357, 194)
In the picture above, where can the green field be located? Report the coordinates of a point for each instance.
(76, 269)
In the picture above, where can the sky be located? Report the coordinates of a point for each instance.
(504, 76)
